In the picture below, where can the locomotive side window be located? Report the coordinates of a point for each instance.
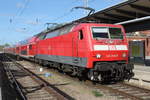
(100, 32)
(115, 33)
(66, 29)
(80, 35)
(61, 31)
(52, 34)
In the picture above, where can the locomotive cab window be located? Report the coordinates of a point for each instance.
(107, 32)
(115, 33)
(80, 35)
(100, 32)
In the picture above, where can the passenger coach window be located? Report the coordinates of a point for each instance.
(80, 35)
(30, 47)
(100, 32)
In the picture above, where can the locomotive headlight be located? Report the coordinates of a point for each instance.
(124, 55)
(98, 56)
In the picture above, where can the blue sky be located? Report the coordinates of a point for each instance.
(20, 19)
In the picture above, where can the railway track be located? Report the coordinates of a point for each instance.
(30, 85)
(141, 80)
(121, 90)
(128, 91)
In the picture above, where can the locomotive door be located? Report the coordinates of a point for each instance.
(78, 44)
(75, 43)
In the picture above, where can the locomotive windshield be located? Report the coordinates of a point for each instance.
(115, 33)
(107, 32)
(100, 32)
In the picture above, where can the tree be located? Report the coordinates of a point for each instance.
(6, 45)
(3, 46)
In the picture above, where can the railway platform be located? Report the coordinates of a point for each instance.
(142, 76)
(142, 72)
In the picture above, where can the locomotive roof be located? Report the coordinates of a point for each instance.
(67, 24)
(54, 28)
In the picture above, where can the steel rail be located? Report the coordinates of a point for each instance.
(141, 79)
(136, 87)
(14, 81)
(122, 93)
(129, 95)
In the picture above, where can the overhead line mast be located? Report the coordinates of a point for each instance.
(86, 2)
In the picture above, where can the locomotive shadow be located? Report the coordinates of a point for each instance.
(31, 89)
(83, 79)
(19, 74)
(68, 83)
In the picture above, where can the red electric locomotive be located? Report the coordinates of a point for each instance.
(96, 51)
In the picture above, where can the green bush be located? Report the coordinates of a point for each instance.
(97, 93)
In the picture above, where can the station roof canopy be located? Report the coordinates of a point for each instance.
(125, 11)
(134, 15)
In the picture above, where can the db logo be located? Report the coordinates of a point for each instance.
(112, 47)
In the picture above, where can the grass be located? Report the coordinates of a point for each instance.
(97, 93)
